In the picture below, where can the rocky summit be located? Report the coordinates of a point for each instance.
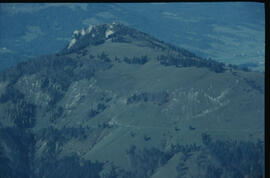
(117, 102)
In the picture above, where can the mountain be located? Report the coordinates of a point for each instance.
(229, 32)
(117, 102)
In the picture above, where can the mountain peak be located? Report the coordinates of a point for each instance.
(94, 34)
(116, 33)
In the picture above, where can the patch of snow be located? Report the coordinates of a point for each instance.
(113, 122)
(205, 112)
(72, 42)
(218, 98)
(222, 94)
(108, 33)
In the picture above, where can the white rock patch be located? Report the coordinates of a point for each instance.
(72, 42)
(76, 32)
(90, 29)
(108, 33)
(83, 32)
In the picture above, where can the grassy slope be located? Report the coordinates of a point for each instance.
(210, 102)
(221, 104)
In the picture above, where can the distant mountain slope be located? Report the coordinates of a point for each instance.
(116, 102)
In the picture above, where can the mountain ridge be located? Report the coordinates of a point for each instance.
(121, 33)
(128, 108)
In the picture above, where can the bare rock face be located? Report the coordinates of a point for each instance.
(116, 102)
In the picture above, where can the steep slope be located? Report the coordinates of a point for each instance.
(136, 105)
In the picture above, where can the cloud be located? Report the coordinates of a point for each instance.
(103, 17)
(91, 20)
(106, 15)
(73, 6)
(63, 39)
(14, 8)
(176, 16)
(32, 33)
(5, 50)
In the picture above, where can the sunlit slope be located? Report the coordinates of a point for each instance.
(223, 105)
